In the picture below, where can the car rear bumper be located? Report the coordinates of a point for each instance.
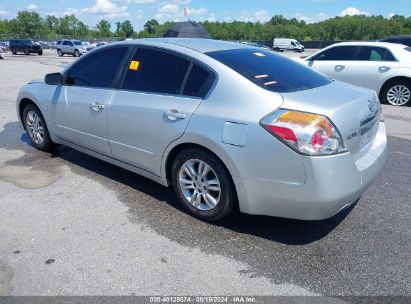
(332, 183)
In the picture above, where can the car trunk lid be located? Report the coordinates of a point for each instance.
(353, 110)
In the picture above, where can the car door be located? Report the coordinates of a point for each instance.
(64, 46)
(334, 61)
(372, 67)
(152, 108)
(80, 104)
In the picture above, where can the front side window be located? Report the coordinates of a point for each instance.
(338, 53)
(155, 71)
(270, 71)
(372, 53)
(98, 69)
(65, 43)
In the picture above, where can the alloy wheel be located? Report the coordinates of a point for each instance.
(398, 95)
(199, 184)
(35, 127)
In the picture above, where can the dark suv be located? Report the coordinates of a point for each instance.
(406, 40)
(25, 46)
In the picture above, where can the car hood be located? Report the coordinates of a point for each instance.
(36, 81)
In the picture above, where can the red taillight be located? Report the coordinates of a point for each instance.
(308, 133)
(318, 139)
(284, 133)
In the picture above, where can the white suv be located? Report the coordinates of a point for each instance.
(72, 47)
(380, 66)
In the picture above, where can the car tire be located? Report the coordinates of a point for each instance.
(13, 51)
(211, 204)
(396, 93)
(36, 128)
(40, 53)
(60, 53)
(26, 52)
(76, 53)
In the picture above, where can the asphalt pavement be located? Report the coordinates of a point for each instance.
(73, 225)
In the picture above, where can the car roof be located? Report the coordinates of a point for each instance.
(196, 44)
(370, 43)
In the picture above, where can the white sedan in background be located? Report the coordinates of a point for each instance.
(380, 66)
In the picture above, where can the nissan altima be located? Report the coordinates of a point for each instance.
(225, 124)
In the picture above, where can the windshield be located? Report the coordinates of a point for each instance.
(270, 71)
(77, 42)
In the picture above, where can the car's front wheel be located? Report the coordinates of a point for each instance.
(40, 53)
(26, 51)
(13, 51)
(396, 93)
(36, 128)
(76, 53)
(203, 184)
(60, 53)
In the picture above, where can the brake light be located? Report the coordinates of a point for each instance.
(307, 133)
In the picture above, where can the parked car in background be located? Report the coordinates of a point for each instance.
(2, 52)
(380, 66)
(224, 123)
(285, 44)
(25, 46)
(406, 40)
(72, 47)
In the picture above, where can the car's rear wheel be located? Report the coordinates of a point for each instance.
(396, 93)
(76, 53)
(26, 51)
(60, 53)
(36, 128)
(203, 184)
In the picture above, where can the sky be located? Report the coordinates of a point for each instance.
(139, 11)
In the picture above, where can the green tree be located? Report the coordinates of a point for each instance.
(150, 26)
(126, 28)
(28, 24)
(103, 28)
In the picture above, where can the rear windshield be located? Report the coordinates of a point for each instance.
(270, 71)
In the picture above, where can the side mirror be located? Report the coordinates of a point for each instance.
(54, 79)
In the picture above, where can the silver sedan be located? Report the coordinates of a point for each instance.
(227, 125)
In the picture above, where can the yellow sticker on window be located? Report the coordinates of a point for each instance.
(134, 65)
(259, 54)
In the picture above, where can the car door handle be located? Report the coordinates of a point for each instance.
(384, 68)
(339, 67)
(174, 115)
(96, 106)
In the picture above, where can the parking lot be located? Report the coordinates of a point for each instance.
(73, 225)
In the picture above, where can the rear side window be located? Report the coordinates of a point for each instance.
(340, 53)
(373, 53)
(156, 71)
(97, 70)
(198, 82)
(270, 71)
